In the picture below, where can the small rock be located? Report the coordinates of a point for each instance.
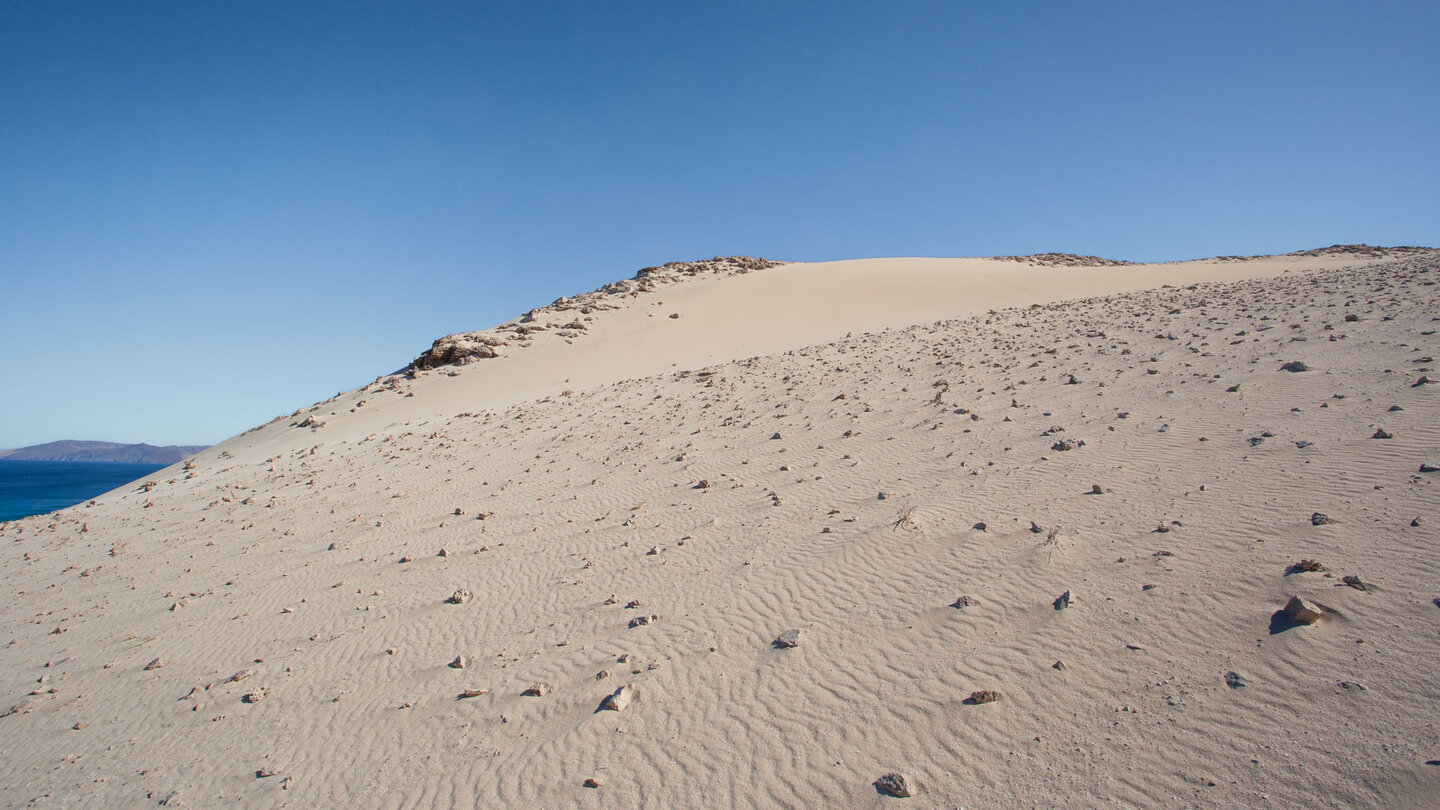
(1310, 566)
(156, 664)
(444, 552)
(893, 784)
(407, 559)
(474, 693)
(641, 621)
(984, 696)
(1062, 601)
(1235, 680)
(1354, 582)
(981, 527)
(593, 782)
(1096, 489)
(621, 698)
(1430, 466)
(460, 597)
(1423, 381)
(537, 690)
(1356, 685)
(787, 639)
(458, 663)
(653, 551)
(965, 602)
(255, 696)
(1295, 366)
(1060, 665)
(1415, 523)
(1381, 434)
(1319, 519)
(1303, 611)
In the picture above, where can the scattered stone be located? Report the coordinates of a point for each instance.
(78, 726)
(458, 663)
(1303, 611)
(965, 602)
(444, 552)
(774, 436)
(460, 597)
(156, 664)
(1309, 566)
(893, 784)
(473, 693)
(1148, 587)
(537, 690)
(1096, 489)
(1060, 665)
(593, 782)
(1235, 680)
(1381, 434)
(1415, 523)
(1394, 408)
(1062, 601)
(1035, 528)
(981, 527)
(1064, 444)
(1356, 685)
(1295, 366)
(653, 551)
(1303, 443)
(621, 698)
(1135, 647)
(787, 639)
(240, 676)
(256, 696)
(1319, 518)
(1423, 381)
(641, 621)
(264, 773)
(407, 559)
(984, 696)
(1354, 582)
(1430, 466)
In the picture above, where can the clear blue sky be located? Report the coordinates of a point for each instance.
(215, 213)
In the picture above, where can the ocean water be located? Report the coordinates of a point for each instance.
(39, 487)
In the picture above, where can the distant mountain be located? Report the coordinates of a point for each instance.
(70, 450)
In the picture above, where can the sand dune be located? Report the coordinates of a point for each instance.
(420, 592)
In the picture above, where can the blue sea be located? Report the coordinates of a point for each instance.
(39, 487)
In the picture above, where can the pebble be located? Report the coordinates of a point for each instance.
(1235, 680)
(789, 638)
(984, 696)
(460, 597)
(1295, 366)
(1319, 519)
(964, 602)
(1430, 466)
(621, 698)
(537, 690)
(594, 782)
(1062, 601)
(156, 664)
(1302, 610)
(458, 663)
(893, 784)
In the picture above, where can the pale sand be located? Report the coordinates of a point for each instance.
(583, 456)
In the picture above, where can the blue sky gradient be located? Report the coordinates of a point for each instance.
(212, 214)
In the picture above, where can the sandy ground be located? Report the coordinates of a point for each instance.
(845, 450)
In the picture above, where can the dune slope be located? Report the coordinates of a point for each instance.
(424, 600)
